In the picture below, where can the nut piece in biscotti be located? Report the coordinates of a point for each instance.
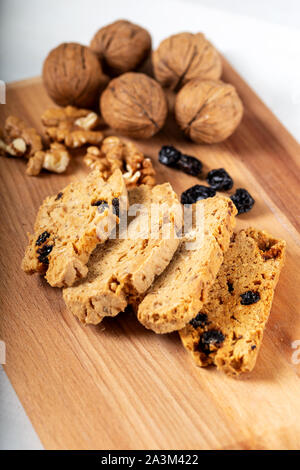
(228, 330)
(208, 111)
(18, 139)
(56, 159)
(121, 46)
(134, 105)
(179, 293)
(185, 56)
(72, 75)
(71, 224)
(116, 153)
(121, 270)
(73, 126)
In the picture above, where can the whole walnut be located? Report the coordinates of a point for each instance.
(72, 75)
(185, 56)
(121, 46)
(208, 111)
(134, 105)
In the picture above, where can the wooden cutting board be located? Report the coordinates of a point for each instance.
(117, 385)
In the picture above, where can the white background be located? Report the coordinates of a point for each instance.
(261, 38)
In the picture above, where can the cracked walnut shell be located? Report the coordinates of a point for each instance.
(134, 105)
(73, 75)
(183, 57)
(121, 46)
(208, 111)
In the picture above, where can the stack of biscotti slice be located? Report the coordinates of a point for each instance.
(228, 329)
(124, 268)
(71, 224)
(181, 290)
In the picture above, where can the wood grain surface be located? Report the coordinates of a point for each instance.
(117, 385)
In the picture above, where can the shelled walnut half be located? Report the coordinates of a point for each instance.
(55, 159)
(18, 139)
(118, 154)
(72, 126)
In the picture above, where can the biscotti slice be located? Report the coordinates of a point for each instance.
(71, 224)
(123, 269)
(228, 330)
(179, 293)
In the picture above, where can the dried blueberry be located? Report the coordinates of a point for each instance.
(250, 297)
(219, 179)
(195, 193)
(230, 287)
(200, 320)
(242, 200)
(210, 337)
(44, 252)
(116, 206)
(253, 347)
(101, 204)
(190, 165)
(59, 196)
(42, 238)
(168, 155)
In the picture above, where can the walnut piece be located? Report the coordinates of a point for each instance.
(16, 148)
(56, 159)
(116, 153)
(185, 56)
(19, 140)
(121, 46)
(134, 105)
(208, 111)
(72, 126)
(73, 75)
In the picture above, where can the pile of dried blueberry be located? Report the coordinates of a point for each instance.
(209, 338)
(199, 321)
(195, 193)
(218, 179)
(250, 297)
(172, 157)
(44, 250)
(242, 200)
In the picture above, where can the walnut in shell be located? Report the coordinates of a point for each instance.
(185, 56)
(121, 46)
(72, 75)
(134, 105)
(208, 111)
